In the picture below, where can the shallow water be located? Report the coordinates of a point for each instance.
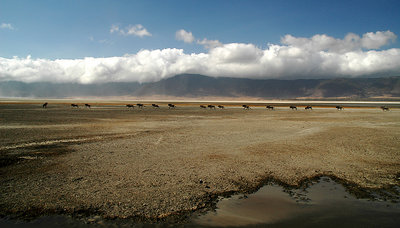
(324, 204)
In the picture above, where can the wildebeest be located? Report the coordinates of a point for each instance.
(269, 107)
(171, 106)
(221, 106)
(45, 105)
(203, 106)
(155, 105)
(384, 108)
(130, 106)
(140, 105)
(308, 107)
(74, 106)
(246, 107)
(87, 105)
(211, 106)
(293, 107)
(339, 107)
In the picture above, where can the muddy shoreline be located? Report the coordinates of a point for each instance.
(390, 194)
(162, 165)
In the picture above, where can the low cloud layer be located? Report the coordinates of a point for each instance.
(351, 42)
(320, 56)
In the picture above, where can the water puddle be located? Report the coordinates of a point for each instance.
(324, 204)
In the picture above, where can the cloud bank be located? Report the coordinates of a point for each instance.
(320, 56)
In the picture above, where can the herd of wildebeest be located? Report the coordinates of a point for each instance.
(210, 106)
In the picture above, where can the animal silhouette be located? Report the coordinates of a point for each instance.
(384, 108)
(246, 107)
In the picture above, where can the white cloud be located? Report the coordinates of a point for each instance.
(351, 42)
(209, 44)
(376, 40)
(320, 56)
(236, 53)
(114, 28)
(6, 26)
(188, 37)
(137, 30)
(185, 36)
(134, 30)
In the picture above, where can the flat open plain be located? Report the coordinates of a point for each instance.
(154, 163)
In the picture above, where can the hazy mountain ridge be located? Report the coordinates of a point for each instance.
(200, 86)
(188, 85)
(62, 90)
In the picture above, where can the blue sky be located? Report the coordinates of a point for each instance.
(76, 29)
(63, 29)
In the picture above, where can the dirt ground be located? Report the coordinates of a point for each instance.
(151, 163)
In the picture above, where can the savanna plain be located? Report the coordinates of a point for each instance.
(155, 164)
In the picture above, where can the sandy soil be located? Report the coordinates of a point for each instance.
(156, 163)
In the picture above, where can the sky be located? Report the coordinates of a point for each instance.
(97, 41)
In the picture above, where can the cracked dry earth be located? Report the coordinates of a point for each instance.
(147, 164)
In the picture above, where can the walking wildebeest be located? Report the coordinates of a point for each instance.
(171, 106)
(293, 107)
(130, 106)
(269, 107)
(140, 105)
(339, 107)
(74, 106)
(221, 106)
(203, 106)
(211, 106)
(384, 108)
(155, 105)
(308, 107)
(246, 107)
(45, 105)
(87, 105)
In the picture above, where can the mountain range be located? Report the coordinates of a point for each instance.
(200, 86)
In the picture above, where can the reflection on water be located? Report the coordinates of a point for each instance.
(324, 204)
(268, 205)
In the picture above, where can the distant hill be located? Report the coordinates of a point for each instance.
(192, 86)
(202, 86)
(62, 90)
